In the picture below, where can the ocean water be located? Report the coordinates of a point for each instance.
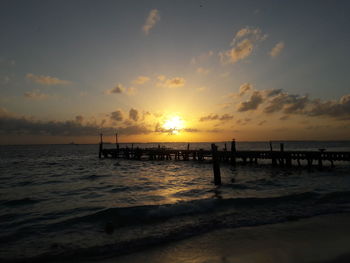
(59, 201)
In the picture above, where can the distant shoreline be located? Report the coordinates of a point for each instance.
(108, 142)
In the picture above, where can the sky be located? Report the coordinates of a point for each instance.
(174, 71)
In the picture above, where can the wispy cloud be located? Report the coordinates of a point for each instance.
(151, 21)
(242, 44)
(46, 80)
(244, 88)
(118, 89)
(141, 80)
(202, 71)
(214, 117)
(35, 95)
(176, 82)
(277, 49)
(204, 57)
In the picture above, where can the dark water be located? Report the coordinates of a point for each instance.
(57, 201)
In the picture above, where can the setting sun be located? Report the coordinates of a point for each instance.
(174, 124)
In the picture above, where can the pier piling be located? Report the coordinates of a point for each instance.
(216, 165)
(101, 146)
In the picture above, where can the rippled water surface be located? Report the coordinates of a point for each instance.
(49, 192)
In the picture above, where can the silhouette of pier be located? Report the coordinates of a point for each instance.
(232, 156)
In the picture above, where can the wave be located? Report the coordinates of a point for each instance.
(134, 228)
(126, 216)
(20, 202)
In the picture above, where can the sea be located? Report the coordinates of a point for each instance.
(62, 201)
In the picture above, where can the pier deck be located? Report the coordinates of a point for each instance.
(283, 158)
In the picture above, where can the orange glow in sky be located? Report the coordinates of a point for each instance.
(174, 124)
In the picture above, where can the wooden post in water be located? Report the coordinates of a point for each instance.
(320, 158)
(101, 146)
(116, 145)
(216, 165)
(272, 155)
(282, 155)
(233, 152)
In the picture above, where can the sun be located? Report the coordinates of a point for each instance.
(174, 124)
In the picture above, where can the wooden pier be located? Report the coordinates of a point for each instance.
(276, 158)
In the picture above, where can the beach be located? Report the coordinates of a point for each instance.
(320, 239)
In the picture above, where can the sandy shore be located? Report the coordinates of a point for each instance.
(318, 239)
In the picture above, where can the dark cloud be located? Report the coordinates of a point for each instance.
(117, 115)
(284, 118)
(338, 109)
(133, 114)
(262, 122)
(214, 130)
(23, 126)
(79, 118)
(288, 103)
(243, 121)
(273, 92)
(191, 130)
(253, 103)
(297, 104)
(116, 90)
(11, 125)
(214, 117)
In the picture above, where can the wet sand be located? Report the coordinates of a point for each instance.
(314, 240)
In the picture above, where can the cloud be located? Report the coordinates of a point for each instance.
(241, 50)
(276, 50)
(116, 115)
(131, 91)
(214, 117)
(176, 82)
(244, 88)
(133, 114)
(284, 118)
(272, 92)
(141, 80)
(79, 118)
(118, 89)
(243, 121)
(202, 57)
(151, 21)
(35, 95)
(46, 80)
(202, 71)
(288, 103)
(338, 109)
(242, 44)
(191, 130)
(10, 124)
(200, 89)
(252, 104)
(276, 100)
